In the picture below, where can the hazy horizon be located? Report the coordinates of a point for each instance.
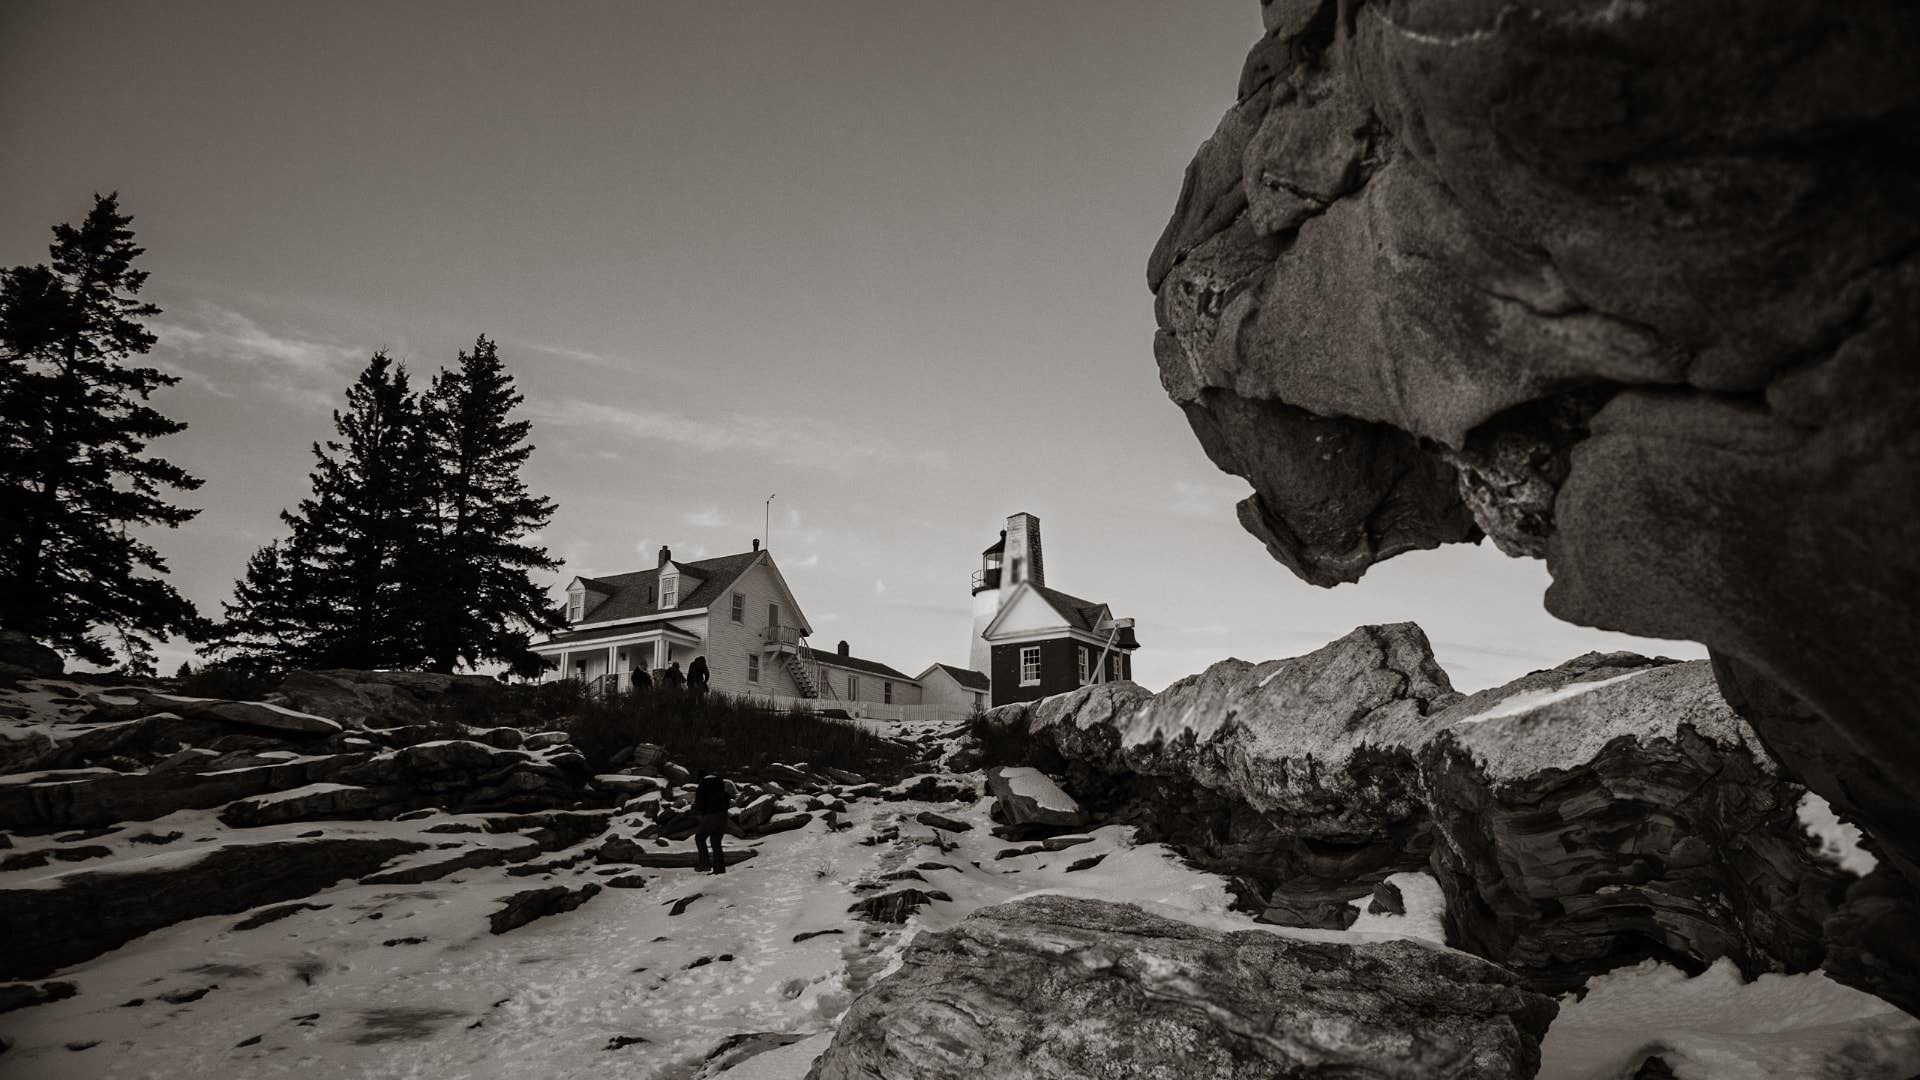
(883, 260)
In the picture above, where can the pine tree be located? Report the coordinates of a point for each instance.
(476, 592)
(264, 628)
(74, 475)
(337, 593)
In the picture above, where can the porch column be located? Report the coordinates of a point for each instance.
(612, 651)
(660, 651)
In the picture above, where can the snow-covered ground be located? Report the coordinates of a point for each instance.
(392, 981)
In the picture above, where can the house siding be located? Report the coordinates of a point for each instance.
(940, 688)
(729, 643)
(872, 686)
(1059, 669)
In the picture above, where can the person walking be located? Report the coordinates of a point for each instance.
(642, 682)
(673, 677)
(697, 675)
(710, 802)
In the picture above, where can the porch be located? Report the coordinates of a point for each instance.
(611, 660)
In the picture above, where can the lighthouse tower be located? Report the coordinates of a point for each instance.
(1012, 559)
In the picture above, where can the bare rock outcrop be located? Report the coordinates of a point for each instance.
(377, 698)
(1578, 819)
(83, 913)
(1630, 287)
(1614, 809)
(1295, 777)
(1058, 987)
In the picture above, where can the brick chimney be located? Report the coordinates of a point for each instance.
(843, 648)
(756, 543)
(666, 554)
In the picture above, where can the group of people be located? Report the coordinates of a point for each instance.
(694, 679)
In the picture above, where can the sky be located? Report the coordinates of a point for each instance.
(884, 261)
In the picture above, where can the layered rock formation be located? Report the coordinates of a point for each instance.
(1613, 809)
(1056, 987)
(1630, 287)
(1296, 777)
(1605, 811)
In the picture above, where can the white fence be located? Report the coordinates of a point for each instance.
(869, 710)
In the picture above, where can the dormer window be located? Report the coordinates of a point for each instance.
(670, 593)
(576, 604)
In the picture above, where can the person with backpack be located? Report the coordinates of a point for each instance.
(673, 678)
(710, 802)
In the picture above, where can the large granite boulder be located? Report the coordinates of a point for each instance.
(1614, 809)
(1623, 287)
(1627, 287)
(1057, 987)
(1026, 796)
(1297, 778)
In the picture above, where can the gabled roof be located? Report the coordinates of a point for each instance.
(854, 663)
(966, 677)
(1080, 614)
(627, 593)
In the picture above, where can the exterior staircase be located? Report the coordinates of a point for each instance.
(801, 668)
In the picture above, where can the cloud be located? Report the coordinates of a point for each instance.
(807, 563)
(1209, 630)
(827, 446)
(709, 518)
(1210, 501)
(879, 588)
(209, 331)
(602, 360)
(222, 351)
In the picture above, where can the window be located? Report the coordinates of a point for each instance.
(753, 667)
(670, 593)
(773, 615)
(1083, 663)
(853, 688)
(886, 692)
(979, 700)
(1115, 664)
(1030, 665)
(576, 606)
(739, 607)
(1013, 575)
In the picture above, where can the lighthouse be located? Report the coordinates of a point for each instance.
(1012, 559)
(1031, 639)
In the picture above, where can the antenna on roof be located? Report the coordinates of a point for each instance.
(766, 523)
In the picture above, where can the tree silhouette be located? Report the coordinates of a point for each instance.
(475, 587)
(75, 478)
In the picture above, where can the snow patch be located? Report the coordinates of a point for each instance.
(1426, 906)
(1714, 1026)
(1028, 783)
(1839, 841)
(1534, 699)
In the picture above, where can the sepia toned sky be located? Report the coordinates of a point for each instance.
(882, 259)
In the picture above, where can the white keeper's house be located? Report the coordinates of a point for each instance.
(739, 613)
